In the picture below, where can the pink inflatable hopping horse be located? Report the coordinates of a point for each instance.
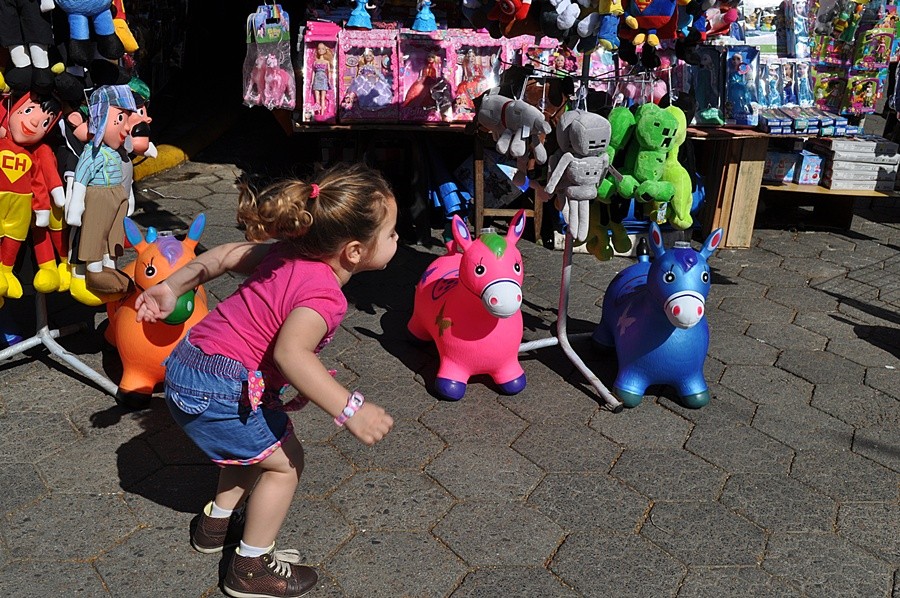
(468, 302)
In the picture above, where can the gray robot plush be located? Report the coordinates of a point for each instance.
(518, 128)
(578, 166)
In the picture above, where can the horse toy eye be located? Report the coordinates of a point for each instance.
(150, 271)
(669, 277)
(705, 277)
(480, 270)
(517, 267)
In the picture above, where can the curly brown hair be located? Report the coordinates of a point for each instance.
(351, 203)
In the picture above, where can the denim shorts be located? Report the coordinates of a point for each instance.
(207, 395)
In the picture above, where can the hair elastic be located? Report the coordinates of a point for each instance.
(314, 191)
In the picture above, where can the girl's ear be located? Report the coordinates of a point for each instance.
(354, 252)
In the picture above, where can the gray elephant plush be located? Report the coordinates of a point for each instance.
(578, 167)
(518, 128)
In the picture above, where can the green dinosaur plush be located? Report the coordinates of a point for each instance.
(622, 122)
(645, 160)
(678, 212)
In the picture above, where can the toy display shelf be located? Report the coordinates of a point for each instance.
(831, 206)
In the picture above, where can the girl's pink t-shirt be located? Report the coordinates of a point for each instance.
(245, 326)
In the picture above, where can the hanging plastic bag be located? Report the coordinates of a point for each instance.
(268, 72)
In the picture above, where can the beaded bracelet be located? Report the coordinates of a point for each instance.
(354, 403)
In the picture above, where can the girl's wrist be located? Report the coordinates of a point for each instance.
(354, 403)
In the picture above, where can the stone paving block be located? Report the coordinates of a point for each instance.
(184, 488)
(649, 425)
(36, 579)
(802, 427)
(725, 408)
(577, 501)
(20, 385)
(822, 564)
(776, 502)
(859, 406)
(713, 369)
(179, 190)
(669, 474)
(381, 501)
(396, 564)
(834, 325)
(803, 299)
(879, 443)
(151, 511)
(35, 434)
(864, 257)
(864, 352)
(512, 581)
(790, 247)
(173, 447)
(391, 452)
(773, 277)
(867, 311)
(315, 528)
(476, 470)
(741, 350)
(311, 424)
(598, 564)
(704, 533)
(845, 476)
(737, 287)
(740, 449)
(44, 530)
(814, 269)
(787, 337)
(552, 398)
(735, 582)
(767, 385)
(325, 468)
(224, 190)
(496, 533)
(874, 526)
(757, 310)
(884, 379)
(134, 567)
(566, 447)
(402, 398)
(479, 420)
(22, 485)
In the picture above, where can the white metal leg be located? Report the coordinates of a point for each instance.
(562, 337)
(45, 336)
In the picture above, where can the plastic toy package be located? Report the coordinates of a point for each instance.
(707, 81)
(479, 60)
(368, 76)
(268, 72)
(320, 68)
(803, 83)
(864, 89)
(828, 89)
(427, 64)
(741, 101)
(770, 84)
(796, 24)
(873, 49)
(602, 70)
(549, 57)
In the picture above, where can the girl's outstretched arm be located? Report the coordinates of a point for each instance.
(296, 358)
(158, 301)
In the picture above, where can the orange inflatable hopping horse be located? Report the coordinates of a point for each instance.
(144, 346)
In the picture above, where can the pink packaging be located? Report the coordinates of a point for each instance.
(550, 57)
(369, 77)
(427, 63)
(320, 40)
(479, 61)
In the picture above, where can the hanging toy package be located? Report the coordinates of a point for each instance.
(268, 72)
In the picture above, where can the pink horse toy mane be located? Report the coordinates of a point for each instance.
(270, 85)
(468, 302)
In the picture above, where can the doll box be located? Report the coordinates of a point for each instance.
(478, 61)
(426, 72)
(319, 51)
(870, 144)
(809, 168)
(780, 166)
(368, 76)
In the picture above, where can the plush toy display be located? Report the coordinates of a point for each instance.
(622, 122)
(654, 316)
(645, 160)
(678, 211)
(468, 302)
(143, 346)
(99, 202)
(646, 23)
(518, 128)
(28, 177)
(577, 168)
(25, 31)
(123, 32)
(82, 15)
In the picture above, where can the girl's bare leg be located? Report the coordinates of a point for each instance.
(278, 477)
(235, 483)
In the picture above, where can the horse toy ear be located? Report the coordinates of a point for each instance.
(656, 240)
(461, 233)
(516, 228)
(195, 231)
(134, 236)
(712, 243)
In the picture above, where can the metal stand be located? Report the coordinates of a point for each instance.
(45, 336)
(562, 337)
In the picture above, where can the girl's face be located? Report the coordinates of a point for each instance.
(384, 246)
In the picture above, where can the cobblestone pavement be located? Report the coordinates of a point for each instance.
(786, 484)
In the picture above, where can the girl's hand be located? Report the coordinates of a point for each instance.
(370, 424)
(155, 303)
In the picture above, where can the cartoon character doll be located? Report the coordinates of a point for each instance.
(430, 91)
(472, 81)
(788, 91)
(99, 201)
(321, 81)
(369, 89)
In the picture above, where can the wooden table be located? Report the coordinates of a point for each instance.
(832, 206)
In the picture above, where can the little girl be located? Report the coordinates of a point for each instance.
(224, 379)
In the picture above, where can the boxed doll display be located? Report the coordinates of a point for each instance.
(368, 76)
(741, 101)
(707, 81)
(320, 40)
(479, 60)
(426, 72)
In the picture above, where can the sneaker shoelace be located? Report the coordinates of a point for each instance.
(282, 560)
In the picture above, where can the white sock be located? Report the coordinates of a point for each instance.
(218, 512)
(253, 551)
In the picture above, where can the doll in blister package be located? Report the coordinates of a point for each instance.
(322, 76)
(369, 89)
